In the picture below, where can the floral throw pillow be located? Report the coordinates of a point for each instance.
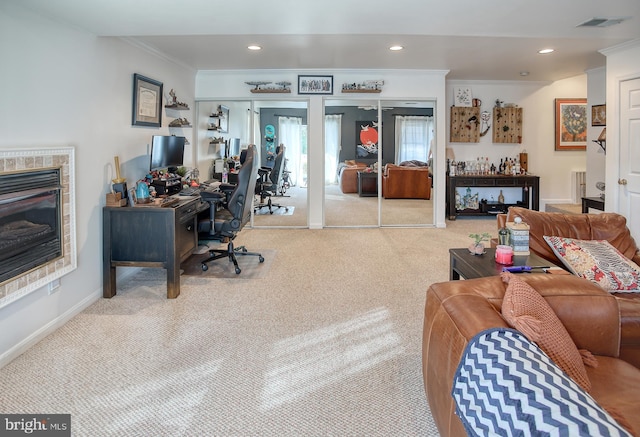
(598, 261)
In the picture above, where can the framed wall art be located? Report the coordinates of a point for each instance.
(571, 124)
(367, 133)
(599, 115)
(223, 119)
(147, 102)
(315, 84)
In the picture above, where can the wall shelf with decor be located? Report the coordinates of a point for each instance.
(507, 125)
(265, 87)
(346, 91)
(602, 140)
(465, 124)
(270, 91)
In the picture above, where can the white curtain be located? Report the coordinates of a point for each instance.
(414, 135)
(290, 134)
(332, 145)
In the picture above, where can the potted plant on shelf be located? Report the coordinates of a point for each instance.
(477, 247)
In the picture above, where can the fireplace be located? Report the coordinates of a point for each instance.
(37, 219)
(30, 221)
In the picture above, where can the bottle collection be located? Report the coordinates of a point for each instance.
(481, 166)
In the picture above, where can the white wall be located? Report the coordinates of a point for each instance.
(65, 87)
(537, 102)
(596, 158)
(623, 62)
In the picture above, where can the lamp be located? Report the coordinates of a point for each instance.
(449, 154)
(451, 158)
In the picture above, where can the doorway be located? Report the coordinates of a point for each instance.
(280, 127)
(396, 154)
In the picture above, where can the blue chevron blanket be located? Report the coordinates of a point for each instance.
(506, 386)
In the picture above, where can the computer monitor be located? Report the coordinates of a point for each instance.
(233, 147)
(166, 152)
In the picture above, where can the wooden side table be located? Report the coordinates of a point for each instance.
(464, 264)
(592, 202)
(367, 184)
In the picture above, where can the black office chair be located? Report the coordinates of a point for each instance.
(227, 218)
(270, 183)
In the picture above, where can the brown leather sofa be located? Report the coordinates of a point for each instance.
(400, 182)
(456, 311)
(348, 176)
(604, 226)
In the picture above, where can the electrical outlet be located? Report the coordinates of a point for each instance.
(54, 286)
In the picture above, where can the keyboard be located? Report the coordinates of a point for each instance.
(210, 185)
(190, 191)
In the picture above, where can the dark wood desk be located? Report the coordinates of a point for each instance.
(464, 264)
(592, 202)
(146, 236)
(367, 184)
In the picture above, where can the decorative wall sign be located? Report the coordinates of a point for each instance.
(599, 115)
(464, 125)
(571, 124)
(315, 84)
(507, 125)
(147, 102)
(462, 97)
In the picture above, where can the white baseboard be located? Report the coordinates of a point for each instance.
(47, 329)
(52, 326)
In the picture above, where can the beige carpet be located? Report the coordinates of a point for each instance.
(250, 266)
(326, 343)
(344, 210)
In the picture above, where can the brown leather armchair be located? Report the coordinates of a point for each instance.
(399, 182)
(456, 311)
(604, 226)
(348, 178)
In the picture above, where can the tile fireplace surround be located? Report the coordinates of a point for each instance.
(16, 160)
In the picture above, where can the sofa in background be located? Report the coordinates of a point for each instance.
(348, 175)
(406, 182)
(456, 311)
(603, 226)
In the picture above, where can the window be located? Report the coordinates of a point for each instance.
(414, 137)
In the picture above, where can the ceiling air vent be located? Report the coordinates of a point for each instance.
(602, 22)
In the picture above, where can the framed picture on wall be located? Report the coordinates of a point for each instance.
(147, 102)
(599, 115)
(367, 139)
(571, 124)
(315, 84)
(223, 117)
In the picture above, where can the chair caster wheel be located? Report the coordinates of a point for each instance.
(238, 270)
(205, 267)
(261, 259)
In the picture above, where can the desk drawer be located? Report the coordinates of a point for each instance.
(466, 182)
(186, 212)
(485, 182)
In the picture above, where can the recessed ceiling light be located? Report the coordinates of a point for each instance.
(395, 48)
(545, 51)
(254, 47)
(524, 73)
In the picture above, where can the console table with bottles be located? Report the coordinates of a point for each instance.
(530, 185)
